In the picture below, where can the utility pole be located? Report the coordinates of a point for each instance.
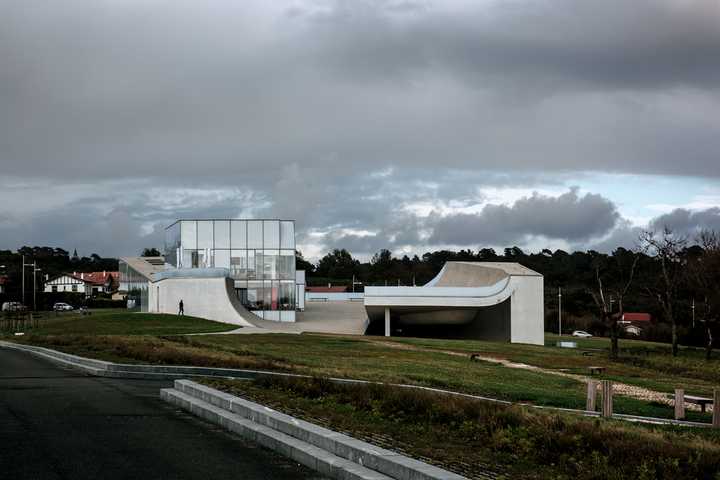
(560, 311)
(693, 313)
(35, 270)
(23, 277)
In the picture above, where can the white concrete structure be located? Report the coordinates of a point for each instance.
(484, 300)
(205, 293)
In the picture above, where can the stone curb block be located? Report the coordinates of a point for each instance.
(376, 458)
(302, 452)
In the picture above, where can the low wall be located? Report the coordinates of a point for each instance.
(333, 296)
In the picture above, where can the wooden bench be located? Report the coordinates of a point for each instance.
(596, 370)
(702, 401)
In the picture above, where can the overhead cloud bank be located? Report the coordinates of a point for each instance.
(373, 123)
(568, 216)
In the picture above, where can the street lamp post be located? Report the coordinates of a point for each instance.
(559, 311)
(693, 313)
(35, 270)
(25, 265)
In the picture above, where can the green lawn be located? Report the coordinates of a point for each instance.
(122, 322)
(645, 364)
(365, 358)
(152, 338)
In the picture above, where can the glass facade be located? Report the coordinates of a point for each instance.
(136, 286)
(260, 255)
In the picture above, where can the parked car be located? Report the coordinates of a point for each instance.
(581, 334)
(61, 307)
(13, 307)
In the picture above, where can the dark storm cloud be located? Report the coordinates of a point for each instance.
(688, 222)
(212, 90)
(642, 44)
(569, 216)
(303, 105)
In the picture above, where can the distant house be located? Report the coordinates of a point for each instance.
(88, 283)
(637, 317)
(3, 283)
(632, 323)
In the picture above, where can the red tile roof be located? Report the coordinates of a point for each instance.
(96, 278)
(637, 317)
(326, 289)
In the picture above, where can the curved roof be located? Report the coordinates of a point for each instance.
(477, 274)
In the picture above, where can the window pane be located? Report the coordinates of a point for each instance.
(238, 234)
(255, 295)
(222, 234)
(188, 232)
(255, 234)
(238, 264)
(205, 234)
(252, 273)
(172, 244)
(271, 234)
(287, 295)
(287, 235)
(269, 295)
(286, 265)
(270, 260)
(189, 259)
(222, 259)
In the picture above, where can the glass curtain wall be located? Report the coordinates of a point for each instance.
(136, 286)
(260, 255)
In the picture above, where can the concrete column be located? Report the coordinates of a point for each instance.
(716, 408)
(607, 400)
(387, 321)
(679, 404)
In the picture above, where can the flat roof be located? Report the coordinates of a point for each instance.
(229, 220)
(145, 266)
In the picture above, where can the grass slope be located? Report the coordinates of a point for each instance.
(123, 322)
(348, 357)
(471, 437)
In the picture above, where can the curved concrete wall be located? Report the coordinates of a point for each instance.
(465, 293)
(212, 298)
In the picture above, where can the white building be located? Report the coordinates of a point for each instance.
(482, 300)
(88, 283)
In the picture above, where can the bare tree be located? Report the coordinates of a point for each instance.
(614, 277)
(704, 273)
(667, 249)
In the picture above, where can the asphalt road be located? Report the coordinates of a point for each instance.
(56, 423)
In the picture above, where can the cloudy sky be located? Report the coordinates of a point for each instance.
(401, 124)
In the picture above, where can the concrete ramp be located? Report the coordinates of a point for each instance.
(206, 293)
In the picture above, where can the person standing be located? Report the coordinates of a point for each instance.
(181, 309)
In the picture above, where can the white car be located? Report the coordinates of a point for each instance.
(60, 307)
(13, 307)
(581, 334)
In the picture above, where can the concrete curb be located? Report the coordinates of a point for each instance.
(102, 368)
(316, 447)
